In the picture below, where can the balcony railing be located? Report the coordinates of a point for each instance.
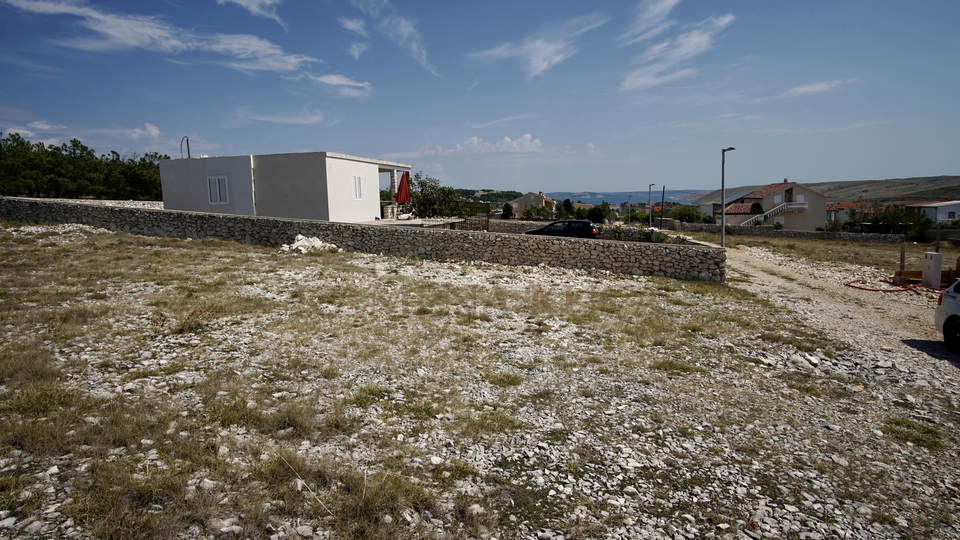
(785, 207)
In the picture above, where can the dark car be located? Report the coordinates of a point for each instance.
(575, 228)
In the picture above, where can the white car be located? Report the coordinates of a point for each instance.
(948, 316)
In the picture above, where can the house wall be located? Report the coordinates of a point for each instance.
(678, 261)
(343, 207)
(526, 201)
(807, 220)
(291, 186)
(184, 184)
(944, 212)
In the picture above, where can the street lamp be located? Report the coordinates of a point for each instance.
(649, 208)
(723, 196)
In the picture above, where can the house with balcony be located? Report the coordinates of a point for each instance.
(790, 204)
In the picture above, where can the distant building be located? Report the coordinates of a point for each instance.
(790, 204)
(537, 200)
(937, 211)
(841, 211)
(324, 186)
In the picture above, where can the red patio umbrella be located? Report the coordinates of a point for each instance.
(403, 190)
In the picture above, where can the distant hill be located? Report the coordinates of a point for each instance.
(891, 191)
(617, 197)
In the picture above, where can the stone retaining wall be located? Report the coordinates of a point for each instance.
(769, 231)
(677, 261)
(607, 232)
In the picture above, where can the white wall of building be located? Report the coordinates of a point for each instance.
(185, 184)
(340, 187)
(291, 186)
(323, 186)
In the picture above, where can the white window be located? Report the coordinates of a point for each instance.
(799, 198)
(777, 199)
(217, 187)
(357, 187)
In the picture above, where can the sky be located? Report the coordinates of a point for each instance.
(535, 95)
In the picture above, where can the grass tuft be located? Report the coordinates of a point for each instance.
(908, 431)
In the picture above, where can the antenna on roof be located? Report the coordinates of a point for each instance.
(185, 138)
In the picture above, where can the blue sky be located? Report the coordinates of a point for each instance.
(534, 95)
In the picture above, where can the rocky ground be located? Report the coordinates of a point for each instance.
(210, 390)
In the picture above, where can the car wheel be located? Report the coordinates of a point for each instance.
(951, 335)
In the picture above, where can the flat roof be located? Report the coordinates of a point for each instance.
(384, 165)
(933, 204)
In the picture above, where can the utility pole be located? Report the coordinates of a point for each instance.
(649, 205)
(723, 196)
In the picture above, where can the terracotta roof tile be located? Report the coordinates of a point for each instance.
(769, 190)
(744, 208)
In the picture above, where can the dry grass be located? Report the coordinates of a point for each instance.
(356, 364)
(885, 256)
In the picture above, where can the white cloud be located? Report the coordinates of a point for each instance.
(148, 131)
(25, 133)
(476, 146)
(45, 126)
(651, 76)
(547, 48)
(815, 87)
(399, 29)
(117, 32)
(651, 21)
(304, 118)
(345, 86)
(499, 121)
(354, 25)
(592, 150)
(259, 8)
(664, 60)
(356, 49)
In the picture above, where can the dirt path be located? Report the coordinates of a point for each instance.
(893, 321)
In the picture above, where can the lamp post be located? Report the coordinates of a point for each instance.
(723, 197)
(628, 208)
(649, 207)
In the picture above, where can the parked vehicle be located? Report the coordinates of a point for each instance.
(576, 228)
(947, 316)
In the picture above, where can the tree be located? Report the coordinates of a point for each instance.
(507, 211)
(599, 213)
(888, 220)
(565, 210)
(73, 170)
(430, 199)
(690, 214)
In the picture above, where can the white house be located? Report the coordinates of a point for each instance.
(323, 186)
(937, 211)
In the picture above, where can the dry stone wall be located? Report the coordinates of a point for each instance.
(678, 261)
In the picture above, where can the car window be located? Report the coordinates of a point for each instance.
(554, 227)
(576, 225)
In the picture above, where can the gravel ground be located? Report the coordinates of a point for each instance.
(524, 402)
